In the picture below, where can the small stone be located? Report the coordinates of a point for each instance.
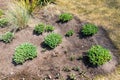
(45, 57)
(23, 78)
(11, 73)
(65, 52)
(49, 76)
(62, 47)
(54, 55)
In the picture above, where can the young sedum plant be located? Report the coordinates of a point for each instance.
(70, 33)
(89, 29)
(98, 55)
(39, 29)
(3, 22)
(53, 40)
(65, 17)
(49, 28)
(7, 37)
(24, 52)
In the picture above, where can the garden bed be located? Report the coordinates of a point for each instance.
(58, 62)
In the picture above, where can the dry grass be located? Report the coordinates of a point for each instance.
(17, 15)
(113, 76)
(101, 12)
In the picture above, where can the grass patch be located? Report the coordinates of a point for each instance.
(17, 15)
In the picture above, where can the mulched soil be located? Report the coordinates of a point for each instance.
(50, 64)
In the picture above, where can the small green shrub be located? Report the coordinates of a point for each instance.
(65, 17)
(70, 33)
(3, 22)
(49, 28)
(39, 29)
(53, 39)
(7, 37)
(24, 52)
(98, 55)
(89, 29)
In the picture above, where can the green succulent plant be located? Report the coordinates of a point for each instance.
(69, 33)
(7, 37)
(24, 52)
(53, 39)
(39, 29)
(49, 28)
(98, 55)
(65, 17)
(3, 22)
(89, 29)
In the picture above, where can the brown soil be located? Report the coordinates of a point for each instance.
(3, 4)
(50, 64)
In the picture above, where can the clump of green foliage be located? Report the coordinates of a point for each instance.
(7, 37)
(45, 2)
(24, 52)
(89, 29)
(69, 33)
(1, 12)
(3, 22)
(49, 28)
(39, 29)
(98, 55)
(53, 40)
(65, 17)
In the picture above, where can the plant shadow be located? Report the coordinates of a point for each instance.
(61, 22)
(14, 63)
(44, 46)
(86, 61)
(34, 33)
(82, 36)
